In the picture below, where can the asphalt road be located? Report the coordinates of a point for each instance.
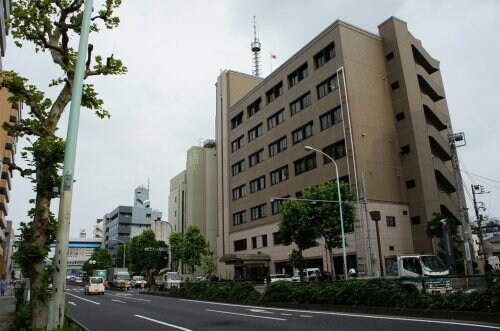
(132, 311)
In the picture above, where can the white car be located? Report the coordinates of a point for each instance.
(282, 277)
(95, 285)
(138, 282)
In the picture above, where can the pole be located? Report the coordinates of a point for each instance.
(456, 175)
(57, 300)
(124, 251)
(365, 202)
(379, 249)
(344, 255)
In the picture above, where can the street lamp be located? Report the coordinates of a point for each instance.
(309, 148)
(123, 249)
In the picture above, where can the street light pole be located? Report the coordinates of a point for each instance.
(309, 148)
(123, 249)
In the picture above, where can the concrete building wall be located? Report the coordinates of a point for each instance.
(176, 202)
(375, 160)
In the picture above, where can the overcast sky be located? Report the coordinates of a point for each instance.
(175, 50)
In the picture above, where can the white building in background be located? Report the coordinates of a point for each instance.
(193, 193)
(126, 222)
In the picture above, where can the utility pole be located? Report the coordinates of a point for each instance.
(453, 139)
(57, 301)
(479, 189)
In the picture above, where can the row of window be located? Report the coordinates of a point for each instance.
(327, 120)
(241, 245)
(297, 75)
(336, 151)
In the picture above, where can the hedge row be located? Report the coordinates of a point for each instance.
(377, 292)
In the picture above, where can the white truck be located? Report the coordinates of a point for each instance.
(167, 280)
(421, 272)
(118, 278)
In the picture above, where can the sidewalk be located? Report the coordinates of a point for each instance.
(7, 307)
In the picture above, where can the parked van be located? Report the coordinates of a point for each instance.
(95, 285)
(310, 274)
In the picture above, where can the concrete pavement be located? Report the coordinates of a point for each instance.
(7, 307)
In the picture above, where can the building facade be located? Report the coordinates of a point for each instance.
(126, 222)
(193, 193)
(375, 104)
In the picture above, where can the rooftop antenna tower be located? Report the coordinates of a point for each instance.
(255, 45)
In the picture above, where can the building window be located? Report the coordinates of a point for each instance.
(275, 92)
(391, 220)
(415, 220)
(389, 56)
(258, 184)
(259, 212)
(254, 107)
(410, 183)
(237, 120)
(240, 217)
(301, 103)
(278, 146)
(240, 245)
(255, 132)
(325, 55)
(405, 149)
(395, 85)
(405, 212)
(264, 240)
(400, 116)
(391, 248)
(238, 167)
(276, 205)
(276, 119)
(327, 86)
(295, 77)
(256, 158)
(254, 242)
(277, 238)
(239, 192)
(302, 133)
(330, 118)
(335, 151)
(237, 144)
(305, 164)
(279, 175)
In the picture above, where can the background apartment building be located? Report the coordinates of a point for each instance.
(374, 103)
(126, 222)
(193, 193)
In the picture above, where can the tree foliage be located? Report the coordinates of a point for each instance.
(103, 260)
(188, 248)
(316, 214)
(145, 253)
(209, 260)
(50, 26)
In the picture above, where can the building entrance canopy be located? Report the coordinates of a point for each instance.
(239, 259)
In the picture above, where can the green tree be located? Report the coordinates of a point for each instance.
(176, 241)
(327, 214)
(295, 226)
(316, 214)
(119, 255)
(144, 253)
(194, 247)
(208, 260)
(50, 26)
(103, 260)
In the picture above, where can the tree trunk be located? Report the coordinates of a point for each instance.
(334, 275)
(41, 234)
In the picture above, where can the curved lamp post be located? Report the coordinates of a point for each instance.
(309, 148)
(123, 249)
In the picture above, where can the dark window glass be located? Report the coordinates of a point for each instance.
(405, 149)
(400, 116)
(410, 183)
(325, 55)
(277, 147)
(240, 245)
(240, 217)
(237, 144)
(390, 56)
(237, 120)
(300, 103)
(264, 240)
(255, 132)
(327, 86)
(259, 212)
(254, 107)
(395, 86)
(415, 220)
(298, 75)
(335, 151)
(275, 92)
(256, 158)
(391, 220)
(305, 164)
(279, 175)
(302, 133)
(275, 119)
(277, 238)
(238, 167)
(330, 118)
(258, 184)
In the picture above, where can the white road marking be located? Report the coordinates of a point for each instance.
(76, 296)
(163, 323)
(72, 303)
(247, 315)
(305, 316)
(352, 315)
(128, 298)
(118, 301)
(263, 311)
(286, 314)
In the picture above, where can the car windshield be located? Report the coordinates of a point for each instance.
(96, 280)
(138, 278)
(173, 277)
(433, 263)
(123, 277)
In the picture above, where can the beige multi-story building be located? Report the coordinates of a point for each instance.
(193, 193)
(374, 103)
